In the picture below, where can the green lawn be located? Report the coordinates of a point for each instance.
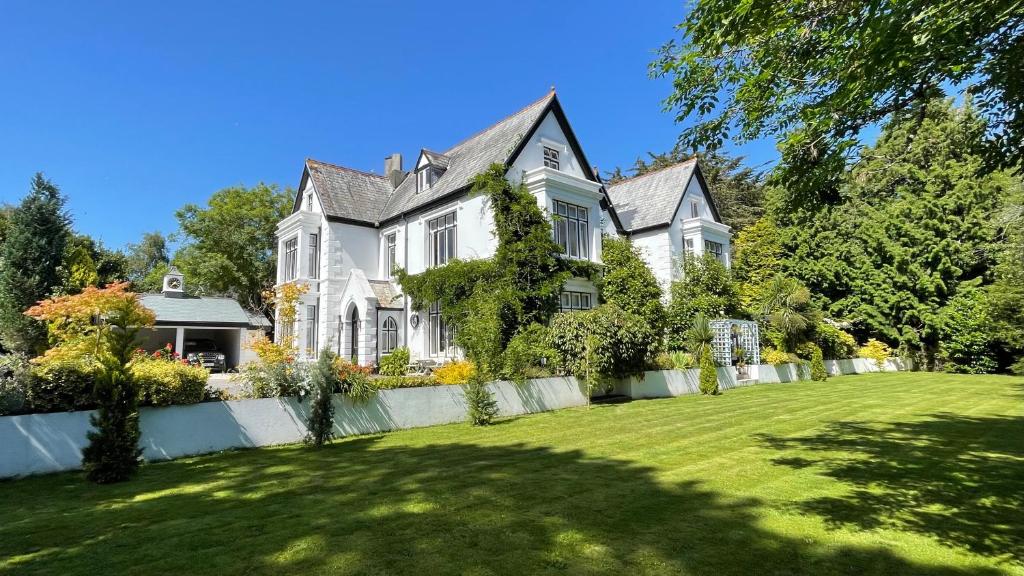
(882, 474)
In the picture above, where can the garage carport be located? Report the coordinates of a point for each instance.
(181, 318)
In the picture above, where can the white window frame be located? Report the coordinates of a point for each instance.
(694, 208)
(390, 253)
(312, 321)
(688, 246)
(290, 247)
(573, 301)
(572, 233)
(442, 238)
(314, 254)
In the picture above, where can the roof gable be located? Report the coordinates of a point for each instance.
(652, 200)
(345, 194)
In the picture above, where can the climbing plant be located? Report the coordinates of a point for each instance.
(493, 299)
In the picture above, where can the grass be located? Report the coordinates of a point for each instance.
(878, 474)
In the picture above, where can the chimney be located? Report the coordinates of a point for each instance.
(393, 169)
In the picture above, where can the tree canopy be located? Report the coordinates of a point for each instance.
(813, 74)
(229, 246)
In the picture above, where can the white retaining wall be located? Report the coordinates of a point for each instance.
(41, 443)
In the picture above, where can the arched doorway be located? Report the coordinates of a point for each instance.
(354, 321)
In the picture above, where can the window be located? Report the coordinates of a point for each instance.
(309, 201)
(551, 158)
(287, 331)
(575, 301)
(688, 246)
(442, 335)
(694, 208)
(389, 336)
(314, 255)
(390, 251)
(311, 332)
(291, 258)
(441, 231)
(572, 230)
(423, 179)
(716, 249)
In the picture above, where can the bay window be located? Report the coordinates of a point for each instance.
(291, 258)
(572, 229)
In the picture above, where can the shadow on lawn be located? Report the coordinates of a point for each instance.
(955, 478)
(357, 507)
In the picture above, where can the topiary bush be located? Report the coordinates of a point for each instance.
(620, 343)
(396, 363)
(166, 382)
(708, 373)
(818, 372)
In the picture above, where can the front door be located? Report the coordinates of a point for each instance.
(355, 336)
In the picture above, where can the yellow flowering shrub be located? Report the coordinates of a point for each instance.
(875, 350)
(456, 372)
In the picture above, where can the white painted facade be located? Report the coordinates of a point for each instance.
(350, 274)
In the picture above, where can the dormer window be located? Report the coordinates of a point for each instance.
(430, 167)
(551, 158)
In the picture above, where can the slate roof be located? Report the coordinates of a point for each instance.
(347, 193)
(651, 199)
(196, 310)
(437, 159)
(387, 296)
(469, 158)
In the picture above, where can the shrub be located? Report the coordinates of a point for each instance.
(663, 361)
(482, 406)
(605, 341)
(775, 357)
(62, 385)
(323, 382)
(528, 350)
(834, 342)
(818, 372)
(396, 363)
(875, 350)
(15, 380)
(708, 373)
(629, 283)
(456, 372)
(391, 382)
(682, 360)
(1018, 367)
(968, 344)
(706, 287)
(271, 379)
(353, 380)
(164, 382)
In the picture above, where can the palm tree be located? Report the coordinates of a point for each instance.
(699, 335)
(787, 309)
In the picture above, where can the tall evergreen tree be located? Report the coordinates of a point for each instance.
(32, 254)
(910, 228)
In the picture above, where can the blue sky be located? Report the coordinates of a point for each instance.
(135, 109)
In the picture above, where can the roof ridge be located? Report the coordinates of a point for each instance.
(550, 94)
(658, 171)
(346, 168)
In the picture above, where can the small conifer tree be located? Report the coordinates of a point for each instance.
(324, 380)
(708, 373)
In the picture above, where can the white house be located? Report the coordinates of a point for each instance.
(349, 229)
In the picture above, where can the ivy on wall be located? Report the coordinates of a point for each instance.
(505, 294)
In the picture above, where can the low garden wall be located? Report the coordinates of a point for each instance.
(42, 443)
